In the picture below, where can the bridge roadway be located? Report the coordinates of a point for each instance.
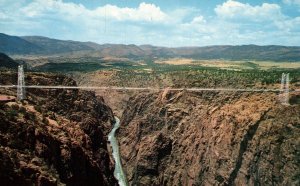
(147, 88)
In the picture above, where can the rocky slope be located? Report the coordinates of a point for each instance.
(55, 137)
(210, 138)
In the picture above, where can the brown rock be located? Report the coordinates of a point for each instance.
(63, 149)
(181, 138)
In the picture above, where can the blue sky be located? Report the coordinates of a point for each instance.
(170, 23)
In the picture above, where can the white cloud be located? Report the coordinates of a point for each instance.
(198, 20)
(239, 23)
(3, 16)
(289, 25)
(235, 10)
(145, 12)
(294, 3)
(291, 2)
(40, 8)
(233, 23)
(265, 16)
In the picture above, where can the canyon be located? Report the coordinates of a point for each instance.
(165, 137)
(206, 138)
(54, 137)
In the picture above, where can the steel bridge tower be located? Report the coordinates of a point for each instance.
(285, 81)
(21, 83)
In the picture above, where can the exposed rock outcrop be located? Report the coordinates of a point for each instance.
(210, 138)
(55, 137)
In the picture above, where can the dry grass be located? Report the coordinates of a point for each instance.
(114, 59)
(235, 65)
(269, 64)
(176, 61)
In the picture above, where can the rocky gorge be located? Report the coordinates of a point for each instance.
(59, 136)
(54, 137)
(210, 138)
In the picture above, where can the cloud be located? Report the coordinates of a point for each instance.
(41, 8)
(242, 23)
(145, 12)
(262, 17)
(291, 2)
(74, 21)
(198, 20)
(294, 3)
(231, 22)
(236, 10)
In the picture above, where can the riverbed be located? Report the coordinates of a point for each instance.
(118, 173)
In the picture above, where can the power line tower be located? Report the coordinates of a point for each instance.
(21, 83)
(285, 81)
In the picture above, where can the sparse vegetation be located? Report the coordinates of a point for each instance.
(30, 116)
(12, 114)
(45, 121)
(189, 76)
(38, 108)
(193, 73)
(15, 107)
(22, 110)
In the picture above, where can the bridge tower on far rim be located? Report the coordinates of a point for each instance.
(21, 83)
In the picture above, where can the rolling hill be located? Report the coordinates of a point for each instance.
(17, 45)
(37, 45)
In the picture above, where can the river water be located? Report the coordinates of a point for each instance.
(118, 173)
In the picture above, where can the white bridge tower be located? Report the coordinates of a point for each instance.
(21, 83)
(285, 81)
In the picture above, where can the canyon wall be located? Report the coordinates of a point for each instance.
(210, 138)
(54, 137)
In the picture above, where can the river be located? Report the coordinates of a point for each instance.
(118, 173)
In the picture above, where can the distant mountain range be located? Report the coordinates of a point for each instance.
(37, 45)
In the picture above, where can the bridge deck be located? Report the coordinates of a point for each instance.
(147, 88)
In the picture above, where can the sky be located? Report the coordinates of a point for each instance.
(171, 23)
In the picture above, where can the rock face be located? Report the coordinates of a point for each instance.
(210, 138)
(55, 137)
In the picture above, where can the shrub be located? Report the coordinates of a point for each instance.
(15, 107)
(12, 114)
(45, 120)
(22, 110)
(30, 116)
(45, 114)
(38, 108)
(17, 143)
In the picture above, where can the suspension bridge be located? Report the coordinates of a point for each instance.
(284, 89)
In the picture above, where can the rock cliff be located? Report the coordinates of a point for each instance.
(210, 138)
(54, 137)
